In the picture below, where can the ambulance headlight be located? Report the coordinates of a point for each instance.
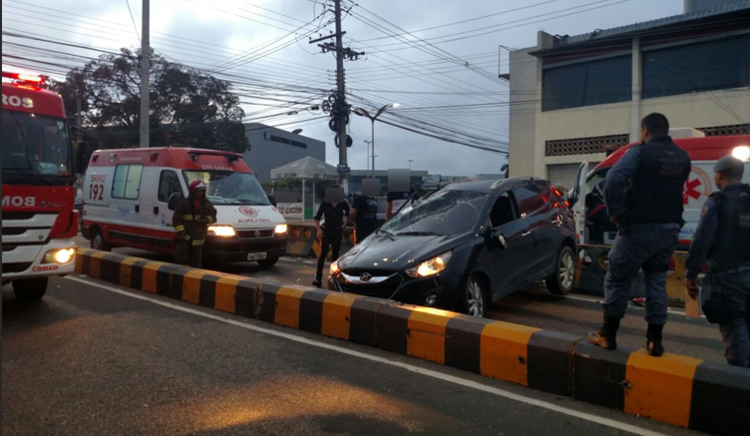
(281, 229)
(60, 256)
(222, 231)
(742, 152)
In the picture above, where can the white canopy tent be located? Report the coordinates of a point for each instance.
(307, 168)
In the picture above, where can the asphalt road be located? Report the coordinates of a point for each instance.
(88, 360)
(534, 306)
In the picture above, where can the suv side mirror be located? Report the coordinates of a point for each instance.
(496, 239)
(174, 200)
(272, 199)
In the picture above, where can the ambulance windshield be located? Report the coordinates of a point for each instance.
(36, 148)
(225, 187)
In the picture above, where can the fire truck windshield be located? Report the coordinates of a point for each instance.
(230, 188)
(36, 149)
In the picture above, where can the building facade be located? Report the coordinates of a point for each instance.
(356, 176)
(271, 148)
(574, 96)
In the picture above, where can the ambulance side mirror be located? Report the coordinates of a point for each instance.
(174, 200)
(272, 200)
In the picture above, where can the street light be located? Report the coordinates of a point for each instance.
(410, 161)
(363, 112)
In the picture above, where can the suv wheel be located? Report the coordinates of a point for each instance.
(475, 299)
(97, 240)
(561, 281)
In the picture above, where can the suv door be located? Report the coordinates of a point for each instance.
(507, 267)
(536, 207)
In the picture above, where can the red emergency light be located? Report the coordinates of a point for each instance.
(29, 78)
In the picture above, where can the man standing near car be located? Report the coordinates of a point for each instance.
(643, 195)
(331, 233)
(723, 237)
(190, 220)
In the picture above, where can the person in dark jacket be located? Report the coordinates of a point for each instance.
(643, 195)
(364, 213)
(331, 233)
(191, 220)
(723, 237)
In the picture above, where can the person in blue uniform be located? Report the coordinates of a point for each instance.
(723, 238)
(643, 195)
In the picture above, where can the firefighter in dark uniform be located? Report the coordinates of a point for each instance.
(723, 237)
(643, 195)
(331, 233)
(364, 213)
(191, 220)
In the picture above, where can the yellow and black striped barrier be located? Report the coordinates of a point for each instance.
(678, 390)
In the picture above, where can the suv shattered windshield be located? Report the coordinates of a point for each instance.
(445, 213)
(225, 187)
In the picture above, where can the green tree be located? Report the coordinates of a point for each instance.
(188, 107)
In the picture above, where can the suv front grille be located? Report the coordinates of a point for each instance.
(380, 290)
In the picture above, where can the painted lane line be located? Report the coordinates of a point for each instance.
(412, 368)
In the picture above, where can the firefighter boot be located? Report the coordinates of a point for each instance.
(653, 336)
(606, 337)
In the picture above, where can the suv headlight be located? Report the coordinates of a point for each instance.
(334, 268)
(436, 265)
(222, 231)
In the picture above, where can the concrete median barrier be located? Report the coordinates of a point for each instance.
(674, 389)
(678, 390)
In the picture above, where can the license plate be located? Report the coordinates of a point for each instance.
(256, 256)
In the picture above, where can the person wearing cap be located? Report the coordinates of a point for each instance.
(643, 196)
(191, 220)
(723, 238)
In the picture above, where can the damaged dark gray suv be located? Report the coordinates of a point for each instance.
(466, 246)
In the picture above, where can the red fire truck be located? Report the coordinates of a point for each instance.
(39, 217)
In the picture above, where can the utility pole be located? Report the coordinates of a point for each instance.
(336, 104)
(341, 98)
(145, 75)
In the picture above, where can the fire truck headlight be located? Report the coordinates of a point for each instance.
(61, 257)
(742, 152)
(222, 231)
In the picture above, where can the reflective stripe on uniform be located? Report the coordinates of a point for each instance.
(199, 241)
(179, 229)
(211, 219)
(187, 217)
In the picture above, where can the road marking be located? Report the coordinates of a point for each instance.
(412, 368)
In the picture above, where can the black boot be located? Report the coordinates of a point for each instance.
(653, 336)
(606, 337)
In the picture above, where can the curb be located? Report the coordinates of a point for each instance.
(677, 390)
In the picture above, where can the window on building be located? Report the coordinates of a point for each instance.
(705, 66)
(127, 182)
(587, 83)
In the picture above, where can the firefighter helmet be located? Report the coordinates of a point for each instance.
(197, 185)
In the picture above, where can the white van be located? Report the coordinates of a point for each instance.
(129, 197)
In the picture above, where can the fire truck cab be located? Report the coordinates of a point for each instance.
(39, 219)
(592, 220)
(130, 196)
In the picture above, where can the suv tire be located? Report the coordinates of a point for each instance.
(561, 281)
(474, 298)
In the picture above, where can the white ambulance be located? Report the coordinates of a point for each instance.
(129, 197)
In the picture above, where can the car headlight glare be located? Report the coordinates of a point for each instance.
(61, 256)
(222, 231)
(334, 268)
(281, 229)
(431, 267)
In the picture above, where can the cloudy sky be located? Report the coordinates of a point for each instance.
(438, 58)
